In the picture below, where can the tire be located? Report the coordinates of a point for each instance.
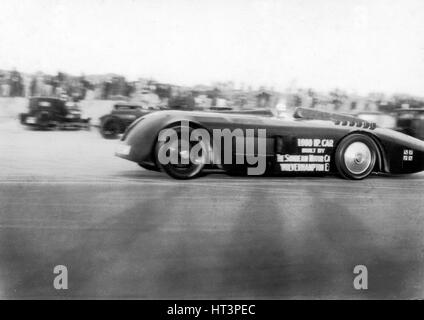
(43, 119)
(149, 167)
(110, 128)
(179, 170)
(86, 124)
(356, 156)
(22, 117)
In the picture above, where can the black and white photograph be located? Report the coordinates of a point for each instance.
(211, 150)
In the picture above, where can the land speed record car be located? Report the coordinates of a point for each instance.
(312, 142)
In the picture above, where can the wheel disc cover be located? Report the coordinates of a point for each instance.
(357, 157)
(193, 164)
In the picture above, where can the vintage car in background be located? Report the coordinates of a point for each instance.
(121, 116)
(47, 112)
(312, 142)
(410, 121)
(181, 103)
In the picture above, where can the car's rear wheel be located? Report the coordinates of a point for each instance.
(188, 164)
(356, 156)
(110, 129)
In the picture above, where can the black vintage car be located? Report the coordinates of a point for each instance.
(121, 116)
(47, 113)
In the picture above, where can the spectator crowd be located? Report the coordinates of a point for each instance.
(218, 95)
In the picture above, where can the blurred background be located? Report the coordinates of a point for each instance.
(352, 57)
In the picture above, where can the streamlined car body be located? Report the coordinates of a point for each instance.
(311, 143)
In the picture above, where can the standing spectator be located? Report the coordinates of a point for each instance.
(313, 96)
(15, 83)
(130, 89)
(5, 86)
(2, 79)
(106, 89)
(33, 87)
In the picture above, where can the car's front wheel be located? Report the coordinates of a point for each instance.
(178, 158)
(148, 166)
(356, 156)
(43, 119)
(110, 129)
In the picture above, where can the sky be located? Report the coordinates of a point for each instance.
(357, 45)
